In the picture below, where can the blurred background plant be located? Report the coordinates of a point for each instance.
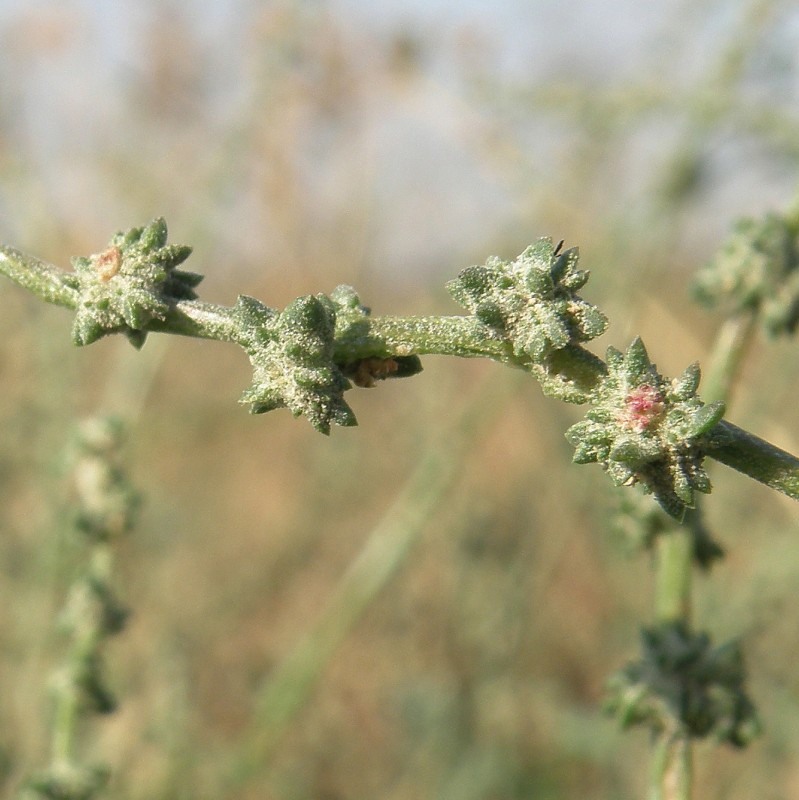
(299, 145)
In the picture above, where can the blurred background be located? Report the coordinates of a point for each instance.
(428, 605)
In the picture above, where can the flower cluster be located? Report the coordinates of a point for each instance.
(130, 284)
(531, 302)
(683, 684)
(757, 269)
(645, 429)
(292, 357)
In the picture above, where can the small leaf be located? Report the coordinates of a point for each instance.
(637, 361)
(253, 312)
(154, 235)
(539, 281)
(615, 359)
(620, 474)
(136, 338)
(706, 418)
(671, 504)
(592, 322)
(553, 326)
(490, 315)
(584, 453)
(172, 254)
(684, 387)
(635, 450)
(472, 285)
(683, 487)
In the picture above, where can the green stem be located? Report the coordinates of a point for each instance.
(732, 341)
(754, 457)
(65, 717)
(672, 769)
(672, 757)
(462, 336)
(673, 576)
(43, 279)
(199, 320)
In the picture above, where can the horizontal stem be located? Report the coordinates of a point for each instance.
(754, 457)
(382, 337)
(571, 373)
(44, 280)
(199, 320)
(385, 337)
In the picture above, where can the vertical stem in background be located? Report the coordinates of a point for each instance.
(673, 576)
(672, 759)
(105, 505)
(672, 768)
(729, 349)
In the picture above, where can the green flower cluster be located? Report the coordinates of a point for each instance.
(67, 781)
(645, 429)
(757, 269)
(130, 284)
(684, 685)
(292, 357)
(531, 302)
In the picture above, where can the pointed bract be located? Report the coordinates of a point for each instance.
(130, 284)
(531, 302)
(292, 358)
(644, 429)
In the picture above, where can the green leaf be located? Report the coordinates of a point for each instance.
(685, 386)
(637, 361)
(706, 418)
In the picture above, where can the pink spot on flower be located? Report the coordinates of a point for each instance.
(643, 406)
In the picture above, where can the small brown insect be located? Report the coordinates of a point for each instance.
(558, 248)
(366, 371)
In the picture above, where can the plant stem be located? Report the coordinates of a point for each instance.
(673, 576)
(462, 336)
(43, 279)
(672, 758)
(731, 344)
(754, 457)
(672, 768)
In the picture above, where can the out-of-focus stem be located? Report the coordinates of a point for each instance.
(729, 350)
(672, 768)
(673, 577)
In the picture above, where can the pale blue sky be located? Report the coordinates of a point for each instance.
(65, 103)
